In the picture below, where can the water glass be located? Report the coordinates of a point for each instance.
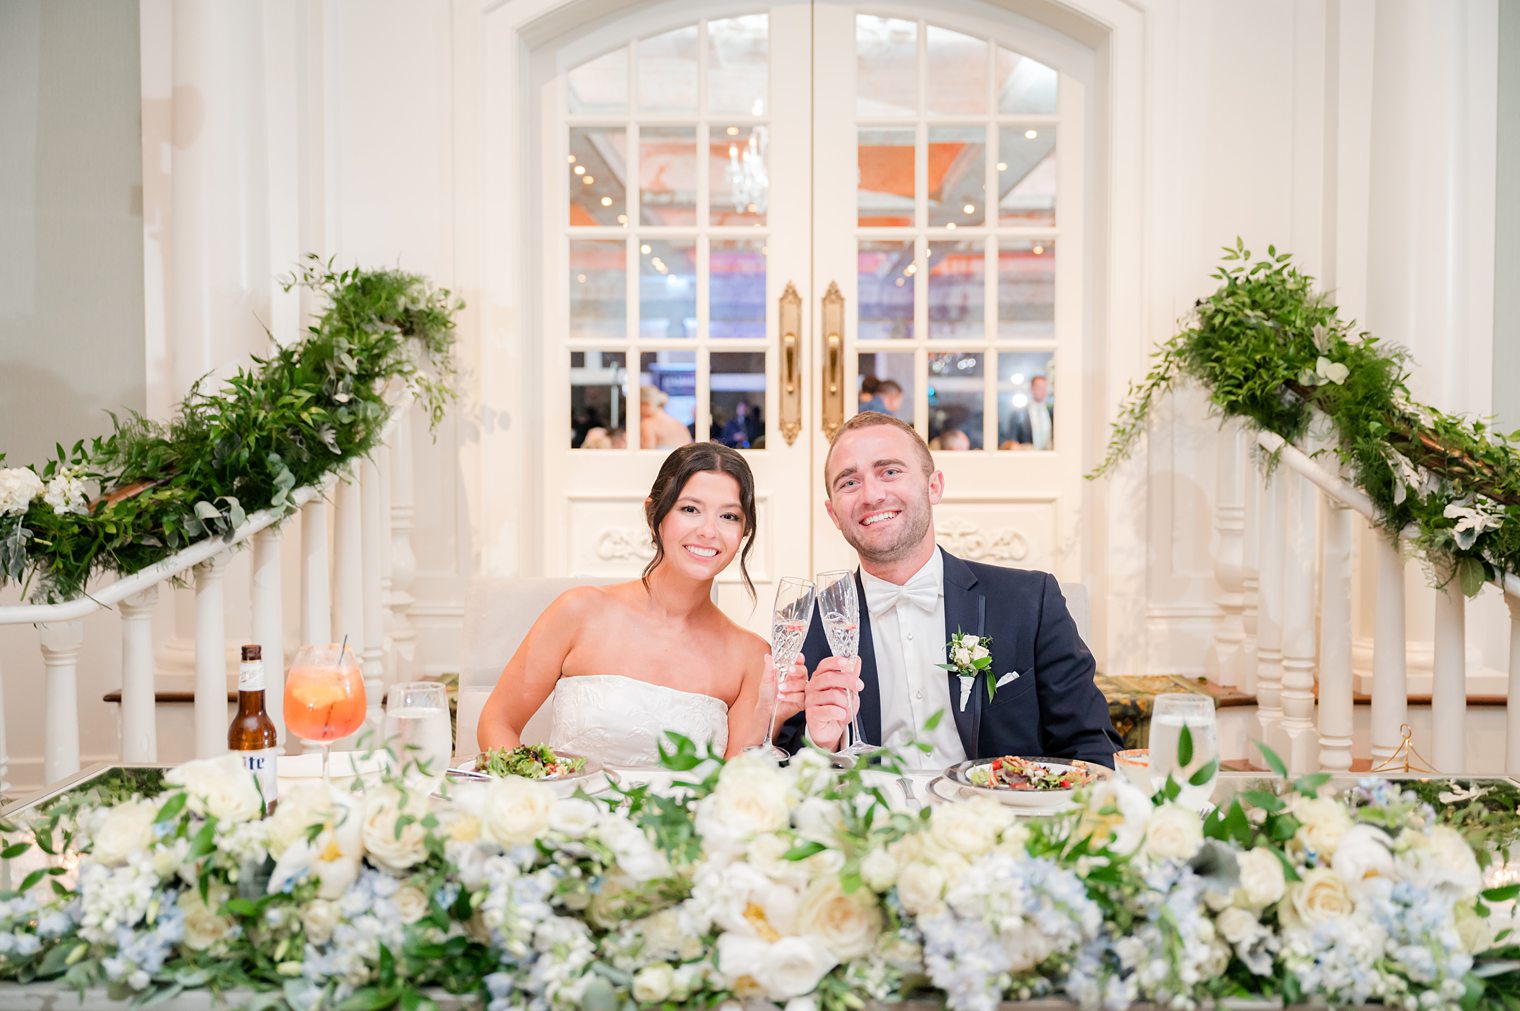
(1171, 714)
(417, 729)
(839, 606)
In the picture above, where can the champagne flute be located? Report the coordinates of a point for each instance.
(789, 625)
(839, 606)
(417, 728)
(324, 696)
(1171, 714)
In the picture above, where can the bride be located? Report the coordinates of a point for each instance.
(628, 662)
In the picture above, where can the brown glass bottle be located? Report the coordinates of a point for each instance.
(252, 735)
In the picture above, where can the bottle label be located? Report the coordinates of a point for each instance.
(262, 764)
(251, 676)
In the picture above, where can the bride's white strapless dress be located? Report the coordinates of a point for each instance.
(620, 720)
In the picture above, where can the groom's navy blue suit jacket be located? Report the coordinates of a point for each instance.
(1053, 708)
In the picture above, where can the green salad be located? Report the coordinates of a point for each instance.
(530, 761)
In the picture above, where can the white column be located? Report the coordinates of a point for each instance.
(1251, 540)
(372, 536)
(1512, 707)
(1298, 742)
(1229, 559)
(1335, 686)
(1269, 614)
(348, 571)
(60, 657)
(1390, 675)
(210, 659)
(5, 755)
(269, 621)
(139, 724)
(1448, 689)
(316, 600)
(402, 563)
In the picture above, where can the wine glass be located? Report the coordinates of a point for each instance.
(839, 605)
(324, 696)
(789, 625)
(417, 727)
(1171, 714)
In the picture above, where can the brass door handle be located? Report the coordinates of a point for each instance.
(833, 360)
(789, 315)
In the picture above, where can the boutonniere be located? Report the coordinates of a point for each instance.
(969, 656)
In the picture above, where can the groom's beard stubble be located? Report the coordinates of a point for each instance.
(913, 524)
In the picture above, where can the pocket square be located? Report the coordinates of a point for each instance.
(1011, 676)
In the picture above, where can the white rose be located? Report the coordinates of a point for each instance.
(921, 887)
(573, 817)
(203, 926)
(1237, 925)
(793, 967)
(847, 924)
(219, 788)
(1116, 816)
(319, 917)
(1175, 833)
(969, 829)
(333, 857)
(18, 486)
(126, 829)
(971, 641)
(1441, 859)
(653, 983)
(810, 770)
(980, 652)
(392, 846)
(878, 870)
(962, 657)
(411, 903)
(1478, 932)
(807, 1003)
(1262, 881)
(301, 806)
(662, 933)
(516, 810)
(1319, 897)
(1324, 820)
(752, 796)
(818, 819)
(1363, 853)
(636, 856)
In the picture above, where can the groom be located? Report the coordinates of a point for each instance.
(882, 487)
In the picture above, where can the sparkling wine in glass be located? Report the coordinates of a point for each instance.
(324, 696)
(417, 728)
(1171, 714)
(789, 625)
(839, 606)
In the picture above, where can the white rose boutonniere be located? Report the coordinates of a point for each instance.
(969, 656)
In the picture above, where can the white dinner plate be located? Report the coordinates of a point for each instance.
(592, 777)
(959, 777)
(344, 765)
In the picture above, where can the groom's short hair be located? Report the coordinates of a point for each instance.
(872, 419)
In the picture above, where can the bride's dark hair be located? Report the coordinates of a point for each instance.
(678, 468)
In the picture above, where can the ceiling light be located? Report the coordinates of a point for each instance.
(969, 208)
(588, 180)
(950, 224)
(1002, 166)
(606, 201)
(644, 249)
(1039, 250)
(732, 131)
(572, 159)
(1031, 134)
(580, 170)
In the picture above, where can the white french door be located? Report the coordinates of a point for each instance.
(754, 213)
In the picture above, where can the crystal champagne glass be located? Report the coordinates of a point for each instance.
(839, 606)
(789, 624)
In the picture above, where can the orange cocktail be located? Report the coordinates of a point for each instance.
(323, 703)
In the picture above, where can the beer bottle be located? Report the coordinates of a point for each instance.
(252, 735)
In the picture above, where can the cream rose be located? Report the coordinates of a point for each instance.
(878, 869)
(411, 904)
(392, 846)
(574, 817)
(752, 796)
(1238, 926)
(1324, 820)
(1174, 833)
(126, 829)
(1262, 881)
(653, 983)
(515, 811)
(793, 967)
(921, 887)
(1442, 859)
(1319, 897)
(301, 806)
(204, 927)
(219, 788)
(847, 924)
(318, 918)
(969, 829)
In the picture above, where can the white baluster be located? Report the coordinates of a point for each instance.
(402, 563)
(348, 570)
(1335, 681)
(269, 621)
(60, 656)
(139, 723)
(211, 717)
(373, 538)
(1251, 539)
(316, 599)
(1390, 671)
(1229, 560)
(5, 754)
(1269, 615)
(1448, 685)
(1512, 707)
(1297, 737)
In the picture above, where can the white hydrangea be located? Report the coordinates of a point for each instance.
(65, 493)
(18, 486)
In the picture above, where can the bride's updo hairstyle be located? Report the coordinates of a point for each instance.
(678, 468)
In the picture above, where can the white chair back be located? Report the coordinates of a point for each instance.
(1080, 608)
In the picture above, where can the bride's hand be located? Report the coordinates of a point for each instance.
(791, 698)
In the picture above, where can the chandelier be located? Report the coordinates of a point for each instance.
(747, 179)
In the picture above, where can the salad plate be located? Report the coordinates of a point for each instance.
(1031, 784)
(564, 771)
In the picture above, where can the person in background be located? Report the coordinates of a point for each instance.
(1034, 426)
(951, 440)
(868, 399)
(657, 428)
(887, 398)
(597, 438)
(738, 431)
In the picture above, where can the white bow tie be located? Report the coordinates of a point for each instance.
(921, 592)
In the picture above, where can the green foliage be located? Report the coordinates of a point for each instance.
(1271, 350)
(290, 420)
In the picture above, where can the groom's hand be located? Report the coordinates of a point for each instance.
(828, 709)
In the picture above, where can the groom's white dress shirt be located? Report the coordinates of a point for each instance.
(1039, 424)
(908, 634)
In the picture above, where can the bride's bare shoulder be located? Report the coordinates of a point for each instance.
(588, 601)
(740, 641)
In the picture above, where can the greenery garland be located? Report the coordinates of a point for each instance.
(1271, 350)
(289, 421)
